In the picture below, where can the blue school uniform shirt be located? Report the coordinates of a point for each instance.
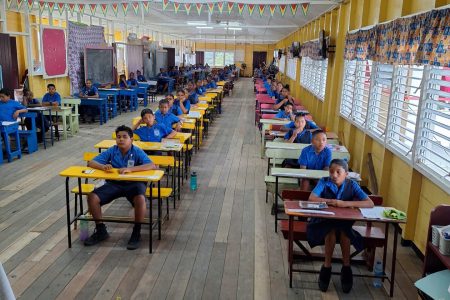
(193, 98)
(122, 85)
(132, 82)
(186, 103)
(199, 91)
(303, 137)
(176, 110)
(314, 161)
(89, 92)
(153, 134)
(168, 119)
(163, 74)
(141, 78)
(114, 157)
(309, 125)
(348, 191)
(52, 98)
(7, 109)
(283, 115)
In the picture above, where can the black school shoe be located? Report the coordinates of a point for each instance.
(324, 278)
(135, 240)
(100, 234)
(346, 279)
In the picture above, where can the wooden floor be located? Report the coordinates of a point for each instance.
(219, 243)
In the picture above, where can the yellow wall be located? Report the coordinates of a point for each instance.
(399, 184)
(247, 48)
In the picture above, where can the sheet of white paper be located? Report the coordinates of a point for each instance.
(373, 213)
(7, 123)
(311, 211)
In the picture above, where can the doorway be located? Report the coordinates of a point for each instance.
(259, 57)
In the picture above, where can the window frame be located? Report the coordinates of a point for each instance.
(313, 76)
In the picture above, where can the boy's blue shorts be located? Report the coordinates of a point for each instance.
(112, 190)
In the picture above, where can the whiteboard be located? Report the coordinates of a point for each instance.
(282, 64)
(292, 68)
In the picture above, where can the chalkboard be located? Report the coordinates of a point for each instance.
(99, 64)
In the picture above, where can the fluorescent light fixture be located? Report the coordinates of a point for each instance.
(234, 28)
(197, 23)
(204, 27)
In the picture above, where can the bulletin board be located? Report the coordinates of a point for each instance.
(54, 51)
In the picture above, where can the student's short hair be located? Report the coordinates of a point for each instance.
(289, 104)
(302, 113)
(340, 162)
(286, 88)
(170, 95)
(6, 92)
(146, 111)
(51, 85)
(317, 132)
(163, 101)
(126, 129)
(181, 91)
(89, 80)
(297, 116)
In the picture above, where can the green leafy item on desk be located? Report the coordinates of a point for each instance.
(393, 213)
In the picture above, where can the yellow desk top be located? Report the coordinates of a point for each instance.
(146, 146)
(77, 171)
(199, 107)
(216, 90)
(221, 83)
(205, 98)
(189, 126)
(183, 136)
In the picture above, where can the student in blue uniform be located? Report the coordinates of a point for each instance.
(199, 88)
(132, 82)
(174, 109)
(336, 190)
(284, 98)
(211, 83)
(182, 101)
(140, 77)
(123, 82)
(126, 158)
(299, 135)
(88, 91)
(192, 96)
(9, 108)
(152, 131)
(310, 125)
(164, 116)
(286, 114)
(163, 80)
(29, 101)
(51, 97)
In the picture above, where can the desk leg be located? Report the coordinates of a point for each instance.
(386, 235)
(43, 129)
(51, 125)
(101, 114)
(159, 210)
(276, 203)
(150, 220)
(394, 259)
(291, 248)
(64, 126)
(69, 236)
(178, 175)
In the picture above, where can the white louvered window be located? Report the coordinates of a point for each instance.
(378, 106)
(313, 76)
(363, 74)
(348, 88)
(403, 108)
(432, 152)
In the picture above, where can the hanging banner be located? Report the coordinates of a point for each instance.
(93, 8)
(187, 6)
(199, 7)
(61, 7)
(176, 7)
(41, 7)
(165, 3)
(71, 7)
(8, 4)
(135, 6)
(115, 8)
(240, 8)
(211, 8)
(294, 9)
(19, 4)
(125, 8)
(261, 8)
(145, 6)
(272, 8)
(30, 4)
(220, 7)
(104, 8)
(282, 9)
(250, 8)
(51, 6)
(305, 8)
(230, 6)
(81, 8)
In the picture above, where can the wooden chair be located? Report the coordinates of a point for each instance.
(8, 131)
(30, 134)
(74, 103)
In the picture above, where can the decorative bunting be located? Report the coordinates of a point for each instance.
(135, 6)
(145, 6)
(294, 9)
(93, 8)
(19, 4)
(261, 8)
(199, 7)
(104, 8)
(165, 3)
(51, 6)
(81, 8)
(30, 4)
(220, 7)
(240, 8)
(71, 7)
(305, 8)
(272, 9)
(8, 4)
(250, 8)
(282, 9)
(61, 7)
(41, 7)
(176, 6)
(211, 8)
(230, 7)
(115, 8)
(125, 8)
(187, 6)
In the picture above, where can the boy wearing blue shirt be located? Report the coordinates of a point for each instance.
(164, 116)
(51, 97)
(9, 108)
(193, 96)
(140, 77)
(182, 101)
(299, 134)
(132, 82)
(174, 109)
(283, 99)
(152, 132)
(336, 190)
(310, 125)
(126, 158)
(89, 90)
(286, 114)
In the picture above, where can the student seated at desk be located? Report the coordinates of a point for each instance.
(164, 116)
(310, 125)
(299, 135)
(199, 89)
(88, 91)
(278, 89)
(123, 82)
(284, 98)
(153, 131)
(132, 82)
(211, 83)
(163, 83)
(140, 77)
(192, 93)
(9, 108)
(174, 109)
(30, 101)
(286, 114)
(51, 98)
(336, 190)
(182, 102)
(127, 158)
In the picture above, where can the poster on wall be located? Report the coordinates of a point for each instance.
(54, 51)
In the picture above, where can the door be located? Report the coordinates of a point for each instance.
(200, 57)
(170, 57)
(8, 61)
(259, 58)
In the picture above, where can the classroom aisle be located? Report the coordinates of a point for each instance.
(218, 244)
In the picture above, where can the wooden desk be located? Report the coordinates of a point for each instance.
(151, 176)
(65, 113)
(293, 150)
(40, 111)
(341, 214)
(101, 104)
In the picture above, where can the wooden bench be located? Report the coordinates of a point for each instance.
(373, 236)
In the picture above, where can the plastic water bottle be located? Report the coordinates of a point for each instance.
(84, 230)
(378, 271)
(194, 181)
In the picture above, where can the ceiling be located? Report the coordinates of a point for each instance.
(253, 29)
